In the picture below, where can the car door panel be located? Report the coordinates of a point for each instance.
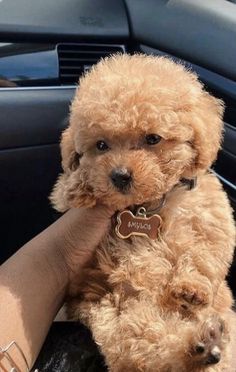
(31, 125)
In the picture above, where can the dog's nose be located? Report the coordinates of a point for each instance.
(121, 178)
(214, 356)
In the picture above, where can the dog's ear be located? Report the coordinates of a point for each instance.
(70, 158)
(71, 189)
(208, 126)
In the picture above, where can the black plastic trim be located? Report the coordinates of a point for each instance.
(60, 20)
(27, 177)
(230, 139)
(33, 116)
(202, 32)
(210, 78)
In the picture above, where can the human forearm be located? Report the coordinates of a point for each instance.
(34, 281)
(33, 284)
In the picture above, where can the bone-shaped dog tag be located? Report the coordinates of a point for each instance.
(128, 224)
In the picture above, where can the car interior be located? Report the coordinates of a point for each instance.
(45, 46)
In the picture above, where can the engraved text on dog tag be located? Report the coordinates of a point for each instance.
(128, 224)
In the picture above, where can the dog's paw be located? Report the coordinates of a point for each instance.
(190, 294)
(207, 349)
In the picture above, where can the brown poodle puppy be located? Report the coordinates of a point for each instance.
(139, 126)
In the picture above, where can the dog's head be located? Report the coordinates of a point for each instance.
(138, 125)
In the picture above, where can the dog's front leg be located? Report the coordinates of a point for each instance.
(190, 292)
(191, 288)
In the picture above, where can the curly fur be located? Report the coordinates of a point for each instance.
(149, 303)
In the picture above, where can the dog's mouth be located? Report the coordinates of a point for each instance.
(125, 187)
(129, 196)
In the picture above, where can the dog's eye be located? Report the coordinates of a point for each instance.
(152, 139)
(102, 146)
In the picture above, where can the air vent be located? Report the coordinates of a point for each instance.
(75, 59)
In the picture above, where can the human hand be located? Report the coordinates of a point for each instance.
(80, 231)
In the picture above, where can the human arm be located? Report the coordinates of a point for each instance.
(34, 282)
